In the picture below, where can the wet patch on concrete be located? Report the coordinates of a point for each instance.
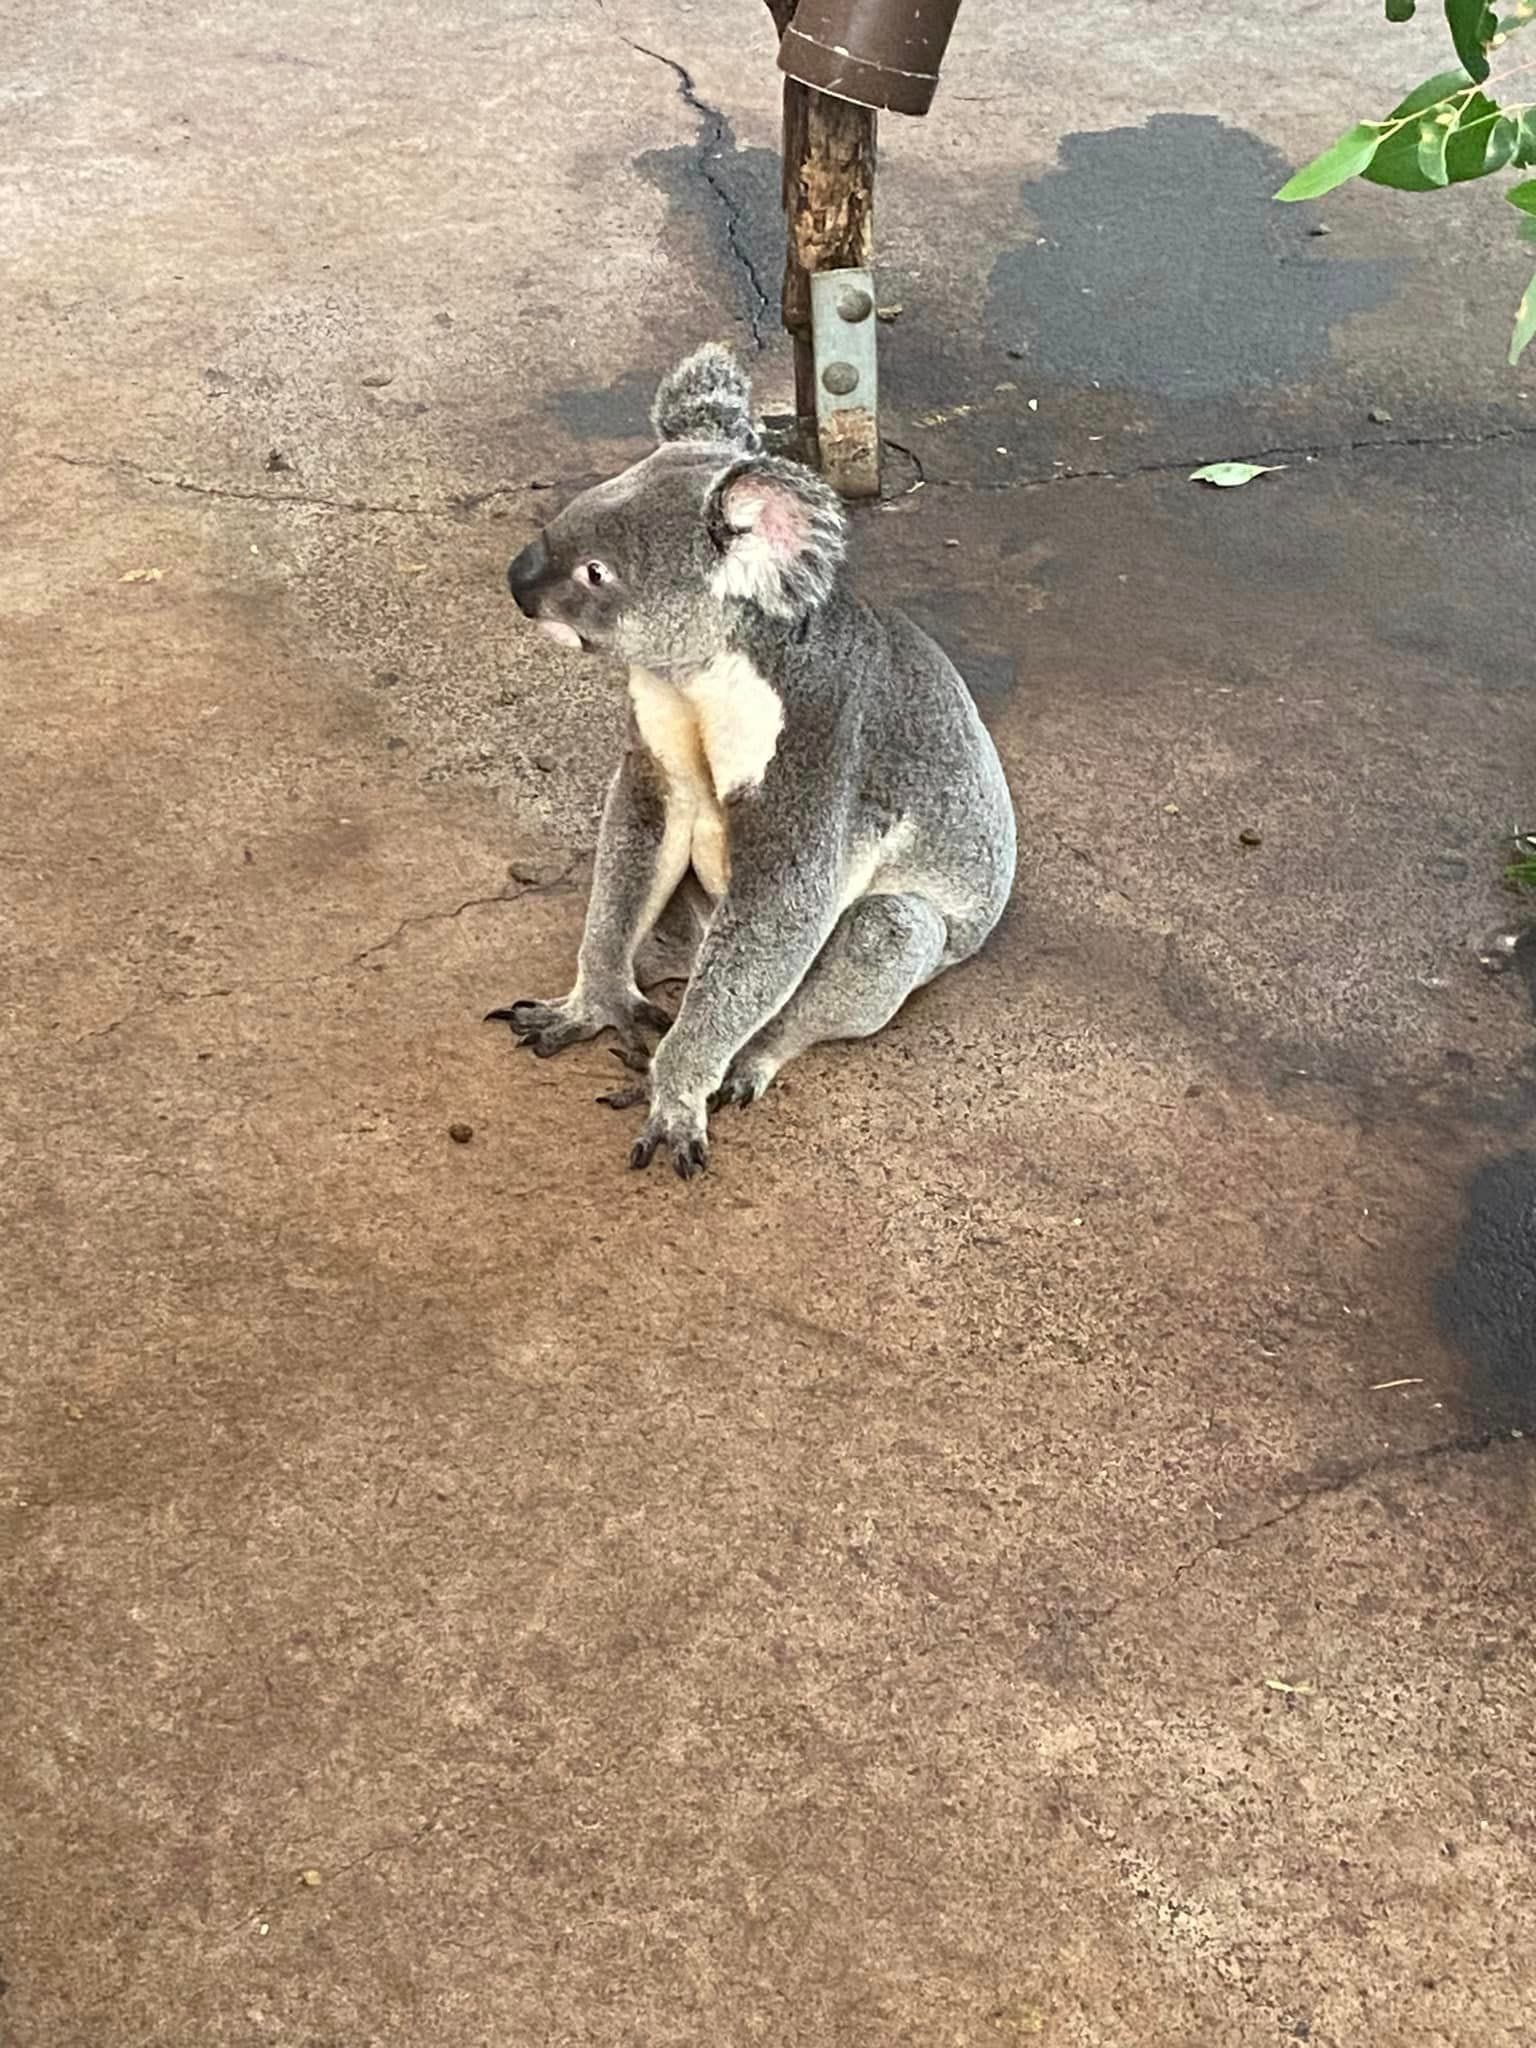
(1162, 264)
(731, 197)
(613, 412)
(1485, 1301)
(1145, 304)
(988, 668)
(1451, 631)
(1525, 963)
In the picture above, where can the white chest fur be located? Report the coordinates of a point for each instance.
(712, 735)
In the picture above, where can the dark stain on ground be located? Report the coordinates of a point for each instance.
(988, 669)
(1525, 963)
(1458, 635)
(731, 195)
(615, 412)
(1162, 264)
(1485, 1302)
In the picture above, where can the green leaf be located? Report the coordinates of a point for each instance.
(1473, 25)
(1430, 151)
(1525, 145)
(1400, 10)
(1227, 474)
(1523, 196)
(1525, 324)
(1474, 143)
(1344, 159)
(1396, 162)
(1502, 138)
(1443, 86)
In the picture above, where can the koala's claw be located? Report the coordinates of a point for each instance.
(741, 1087)
(624, 1098)
(548, 1028)
(634, 1093)
(542, 1027)
(687, 1144)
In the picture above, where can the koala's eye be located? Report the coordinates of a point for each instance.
(593, 574)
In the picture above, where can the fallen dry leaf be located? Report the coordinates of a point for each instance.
(1227, 474)
(142, 576)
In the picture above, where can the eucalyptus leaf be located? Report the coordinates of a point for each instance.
(1473, 25)
(1443, 86)
(1502, 139)
(1225, 475)
(1525, 324)
(1342, 160)
(1523, 195)
(1525, 145)
(1396, 162)
(1472, 149)
(1430, 151)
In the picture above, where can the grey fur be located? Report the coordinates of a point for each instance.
(877, 847)
(706, 398)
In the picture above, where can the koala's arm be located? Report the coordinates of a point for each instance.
(639, 864)
(777, 914)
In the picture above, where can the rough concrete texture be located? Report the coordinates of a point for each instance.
(1036, 1545)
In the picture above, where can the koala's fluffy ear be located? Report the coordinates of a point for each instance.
(706, 398)
(781, 535)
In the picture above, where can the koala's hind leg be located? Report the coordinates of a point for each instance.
(883, 947)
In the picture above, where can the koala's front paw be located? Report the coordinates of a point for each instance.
(682, 1129)
(548, 1028)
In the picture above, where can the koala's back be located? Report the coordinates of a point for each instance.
(926, 780)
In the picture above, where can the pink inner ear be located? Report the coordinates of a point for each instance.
(777, 517)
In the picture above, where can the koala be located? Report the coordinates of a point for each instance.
(806, 789)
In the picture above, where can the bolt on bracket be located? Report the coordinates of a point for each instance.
(844, 348)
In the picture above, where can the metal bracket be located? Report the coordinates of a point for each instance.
(844, 347)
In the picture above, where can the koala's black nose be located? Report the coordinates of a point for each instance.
(527, 571)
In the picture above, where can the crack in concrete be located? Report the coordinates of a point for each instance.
(916, 460)
(1317, 452)
(262, 1916)
(454, 506)
(715, 135)
(1470, 1444)
(1473, 1443)
(459, 505)
(404, 1842)
(528, 886)
(1091, 861)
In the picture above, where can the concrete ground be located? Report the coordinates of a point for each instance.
(1036, 1545)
